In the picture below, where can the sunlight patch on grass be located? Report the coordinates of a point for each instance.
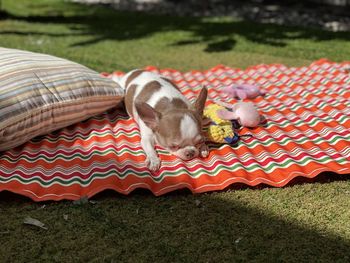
(107, 40)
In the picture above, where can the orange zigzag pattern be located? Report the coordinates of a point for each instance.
(308, 132)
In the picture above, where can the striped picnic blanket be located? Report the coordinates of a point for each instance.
(308, 132)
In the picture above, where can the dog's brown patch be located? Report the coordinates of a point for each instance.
(148, 90)
(162, 105)
(169, 128)
(179, 103)
(129, 98)
(165, 104)
(132, 76)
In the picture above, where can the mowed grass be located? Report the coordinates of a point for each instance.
(307, 221)
(106, 40)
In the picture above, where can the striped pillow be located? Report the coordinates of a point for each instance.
(41, 93)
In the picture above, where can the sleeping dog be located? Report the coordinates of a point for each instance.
(164, 116)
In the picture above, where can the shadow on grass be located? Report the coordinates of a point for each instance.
(178, 227)
(102, 23)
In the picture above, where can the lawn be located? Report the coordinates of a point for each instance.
(306, 221)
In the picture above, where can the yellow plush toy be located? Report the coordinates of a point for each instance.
(219, 130)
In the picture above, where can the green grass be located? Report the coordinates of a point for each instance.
(105, 40)
(304, 222)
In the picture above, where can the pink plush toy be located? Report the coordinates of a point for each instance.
(244, 113)
(243, 91)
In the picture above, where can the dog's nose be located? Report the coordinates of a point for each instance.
(190, 154)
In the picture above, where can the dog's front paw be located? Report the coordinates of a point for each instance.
(153, 163)
(204, 150)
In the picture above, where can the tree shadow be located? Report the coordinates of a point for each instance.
(177, 227)
(102, 23)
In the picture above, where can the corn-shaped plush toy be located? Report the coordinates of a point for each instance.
(219, 130)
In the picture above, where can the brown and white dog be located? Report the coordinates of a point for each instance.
(164, 116)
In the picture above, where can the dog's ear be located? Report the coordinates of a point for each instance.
(199, 104)
(149, 115)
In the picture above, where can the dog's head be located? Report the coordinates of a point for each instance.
(179, 130)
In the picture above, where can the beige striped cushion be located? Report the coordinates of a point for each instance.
(41, 93)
